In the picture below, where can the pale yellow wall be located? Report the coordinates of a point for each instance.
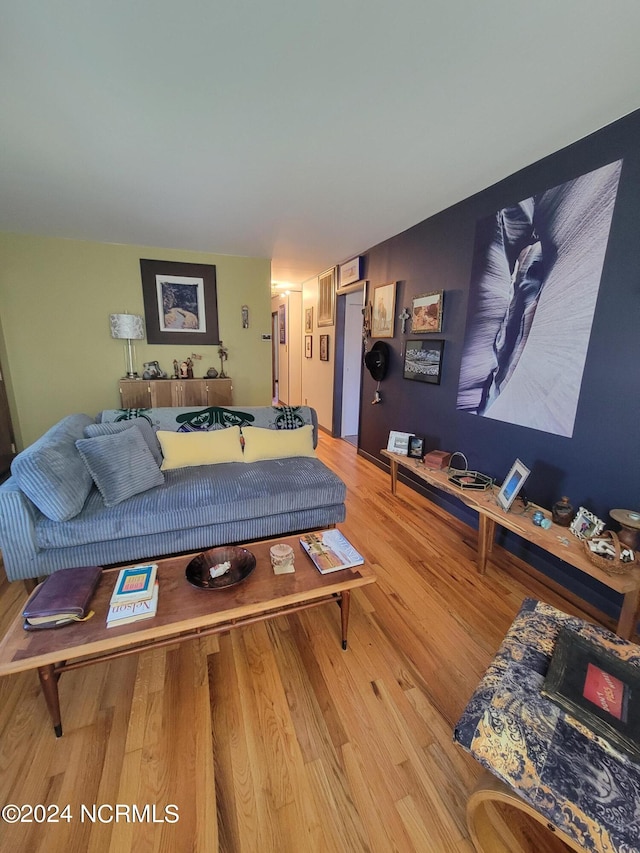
(55, 300)
(317, 376)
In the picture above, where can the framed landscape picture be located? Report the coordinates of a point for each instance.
(384, 306)
(349, 274)
(423, 361)
(426, 313)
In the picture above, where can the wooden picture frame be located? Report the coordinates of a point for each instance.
(426, 313)
(180, 303)
(324, 347)
(308, 320)
(423, 360)
(349, 273)
(383, 314)
(327, 298)
(308, 346)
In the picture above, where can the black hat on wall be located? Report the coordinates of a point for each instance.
(377, 360)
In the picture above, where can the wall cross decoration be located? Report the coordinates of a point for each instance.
(404, 317)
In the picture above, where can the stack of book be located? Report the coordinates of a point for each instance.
(135, 595)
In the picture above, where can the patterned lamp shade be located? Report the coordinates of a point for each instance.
(127, 327)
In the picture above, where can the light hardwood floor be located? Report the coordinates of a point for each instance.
(271, 738)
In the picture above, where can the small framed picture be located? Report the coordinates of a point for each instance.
(282, 323)
(349, 273)
(586, 524)
(308, 346)
(324, 347)
(384, 306)
(423, 361)
(426, 313)
(308, 320)
(513, 482)
(399, 442)
(416, 447)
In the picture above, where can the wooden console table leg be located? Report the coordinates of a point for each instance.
(345, 601)
(486, 533)
(627, 621)
(393, 470)
(49, 684)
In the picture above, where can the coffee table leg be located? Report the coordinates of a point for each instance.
(345, 601)
(49, 684)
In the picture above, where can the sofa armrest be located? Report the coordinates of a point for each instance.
(17, 531)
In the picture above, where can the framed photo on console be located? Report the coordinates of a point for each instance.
(416, 447)
(513, 482)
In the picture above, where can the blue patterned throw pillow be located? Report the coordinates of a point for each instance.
(121, 465)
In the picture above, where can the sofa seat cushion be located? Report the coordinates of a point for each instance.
(201, 496)
(121, 465)
(51, 472)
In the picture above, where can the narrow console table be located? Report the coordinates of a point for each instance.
(557, 540)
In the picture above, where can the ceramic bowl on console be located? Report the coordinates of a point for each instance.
(218, 568)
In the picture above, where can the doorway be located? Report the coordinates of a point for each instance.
(275, 339)
(7, 439)
(352, 367)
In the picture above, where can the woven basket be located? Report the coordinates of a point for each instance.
(614, 566)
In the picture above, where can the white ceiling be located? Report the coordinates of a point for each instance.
(301, 130)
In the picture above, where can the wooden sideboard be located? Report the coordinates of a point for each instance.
(153, 393)
(558, 541)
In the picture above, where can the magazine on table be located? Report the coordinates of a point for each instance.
(330, 551)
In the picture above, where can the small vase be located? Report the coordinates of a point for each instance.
(562, 512)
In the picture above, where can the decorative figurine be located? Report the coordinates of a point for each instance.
(223, 355)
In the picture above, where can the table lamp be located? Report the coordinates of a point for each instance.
(127, 327)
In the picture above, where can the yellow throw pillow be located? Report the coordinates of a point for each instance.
(185, 449)
(277, 443)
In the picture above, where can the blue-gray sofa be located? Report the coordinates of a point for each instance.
(56, 509)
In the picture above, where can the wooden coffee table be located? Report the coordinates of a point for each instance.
(184, 612)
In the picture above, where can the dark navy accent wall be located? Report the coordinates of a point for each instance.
(599, 467)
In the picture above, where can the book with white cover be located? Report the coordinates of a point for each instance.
(133, 611)
(330, 551)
